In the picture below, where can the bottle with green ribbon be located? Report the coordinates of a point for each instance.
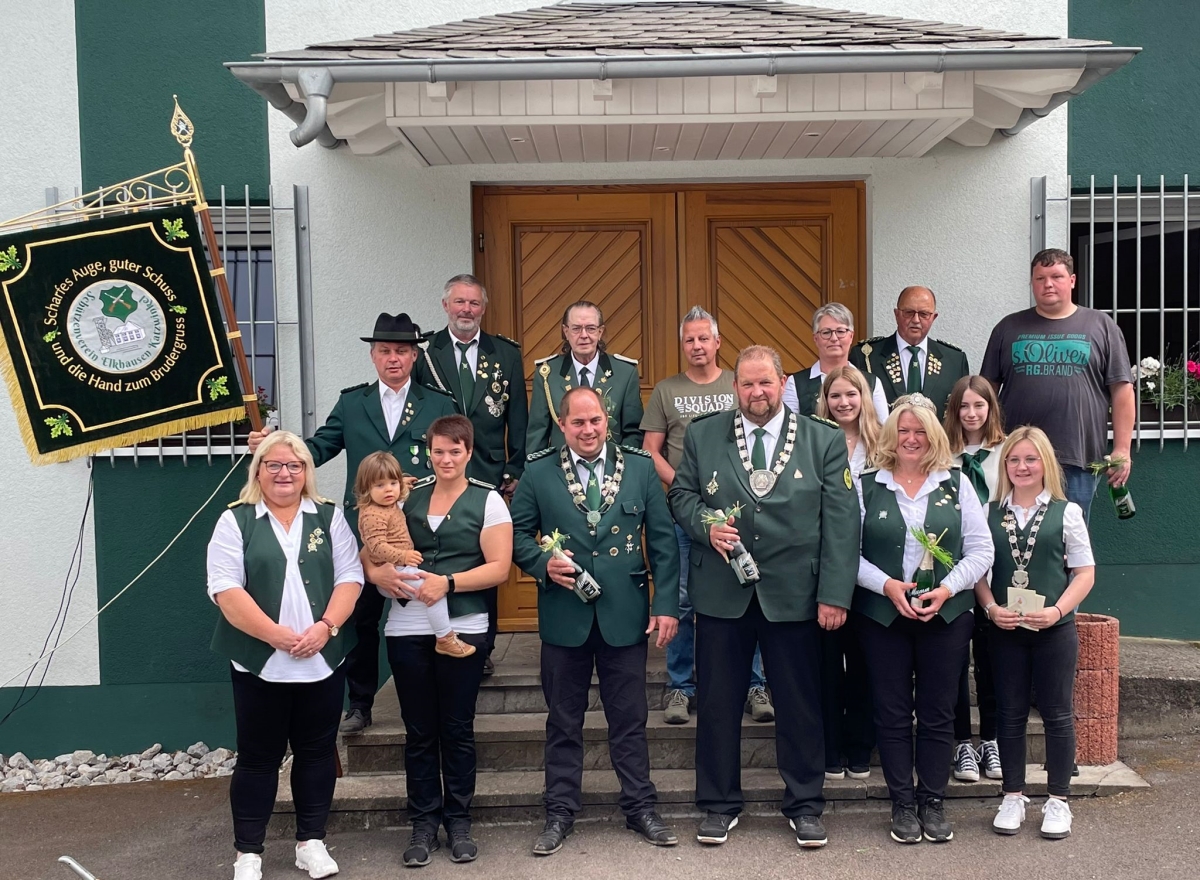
(923, 578)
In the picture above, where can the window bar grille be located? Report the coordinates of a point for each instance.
(1137, 237)
(1162, 298)
(1187, 195)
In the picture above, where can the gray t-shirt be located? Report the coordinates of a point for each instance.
(674, 402)
(1054, 373)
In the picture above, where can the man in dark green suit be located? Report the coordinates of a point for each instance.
(484, 375)
(799, 521)
(606, 498)
(909, 361)
(584, 363)
(390, 415)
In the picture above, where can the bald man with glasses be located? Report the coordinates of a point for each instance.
(910, 361)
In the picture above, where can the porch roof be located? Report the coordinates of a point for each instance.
(660, 79)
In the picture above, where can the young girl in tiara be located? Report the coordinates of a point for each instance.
(379, 487)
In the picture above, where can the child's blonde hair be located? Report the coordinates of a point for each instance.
(1052, 475)
(376, 467)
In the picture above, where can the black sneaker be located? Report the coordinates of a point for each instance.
(932, 816)
(462, 847)
(554, 832)
(356, 721)
(810, 833)
(421, 847)
(489, 665)
(715, 828)
(906, 827)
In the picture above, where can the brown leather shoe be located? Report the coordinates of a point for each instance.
(452, 646)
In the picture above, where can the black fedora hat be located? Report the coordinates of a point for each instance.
(394, 328)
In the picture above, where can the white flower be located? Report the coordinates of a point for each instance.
(1149, 386)
(1148, 366)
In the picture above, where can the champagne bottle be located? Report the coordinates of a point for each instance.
(923, 580)
(744, 566)
(1123, 501)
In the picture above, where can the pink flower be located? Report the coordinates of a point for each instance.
(1193, 368)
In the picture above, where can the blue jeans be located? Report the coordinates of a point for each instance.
(1080, 488)
(681, 652)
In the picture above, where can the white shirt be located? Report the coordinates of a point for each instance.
(978, 551)
(906, 356)
(858, 461)
(581, 470)
(772, 428)
(471, 354)
(227, 570)
(393, 405)
(1075, 532)
(411, 619)
(990, 465)
(792, 399)
(591, 366)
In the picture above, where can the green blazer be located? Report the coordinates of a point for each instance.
(804, 534)
(618, 381)
(496, 407)
(945, 365)
(614, 555)
(357, 425)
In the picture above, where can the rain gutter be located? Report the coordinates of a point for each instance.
(315, 78)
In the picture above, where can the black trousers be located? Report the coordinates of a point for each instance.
(932, 652)
(493, 610)
(845, 699)
(1046, 660)
(566, 676)
(362, 663)
(985, 689)
(791, 656)
(271, 716)
(437, 702)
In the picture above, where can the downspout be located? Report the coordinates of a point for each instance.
(278, 98)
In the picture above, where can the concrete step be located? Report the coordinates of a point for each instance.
(516, 740)
(375, 801)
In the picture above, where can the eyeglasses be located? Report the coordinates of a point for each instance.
(293, 467)
(909, 314)
(1030, 461)
(589, 329)
(830, 332)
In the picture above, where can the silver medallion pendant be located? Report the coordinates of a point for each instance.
(593, 517)
(1020, 579)
(762, 482)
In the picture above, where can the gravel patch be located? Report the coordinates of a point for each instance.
(82, 768)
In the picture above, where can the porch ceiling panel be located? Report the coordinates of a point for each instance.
(668, 81)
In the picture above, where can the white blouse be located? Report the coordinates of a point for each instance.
(978, 552)
(227, 570)
(990, 465)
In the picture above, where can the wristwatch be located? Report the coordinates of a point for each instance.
(449, 584)
(333, 630)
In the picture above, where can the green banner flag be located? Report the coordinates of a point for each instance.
(111, 334)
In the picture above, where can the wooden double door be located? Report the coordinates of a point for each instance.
(761, 258)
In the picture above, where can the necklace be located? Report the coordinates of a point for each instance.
(762, 481)
(1020, 577)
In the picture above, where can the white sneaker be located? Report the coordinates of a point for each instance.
(966, 763)
(1057, 822)
(1012, 813)
(248, 867)
(312, 856)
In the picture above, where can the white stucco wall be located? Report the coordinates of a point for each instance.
(386, 233)
(39, 140)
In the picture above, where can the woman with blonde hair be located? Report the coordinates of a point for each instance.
(975, 428)
(1035, 529)
(916, 642)
(283, 568)
(845, 688)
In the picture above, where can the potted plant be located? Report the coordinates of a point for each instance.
(1169, 389)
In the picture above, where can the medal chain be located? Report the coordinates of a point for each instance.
(608, 491)
(785, 454)
(1010, 526)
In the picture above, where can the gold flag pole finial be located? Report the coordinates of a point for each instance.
(181, 126)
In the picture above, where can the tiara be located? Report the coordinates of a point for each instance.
(915, 399)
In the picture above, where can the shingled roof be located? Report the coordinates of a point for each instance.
(665, 27)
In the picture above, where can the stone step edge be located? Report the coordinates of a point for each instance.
(527, 726)
(525, 788)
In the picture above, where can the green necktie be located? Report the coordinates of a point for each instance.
(591, 495)
(972, 467)
(466, 377)
(758, 455)
(914, 370)
(583, 378)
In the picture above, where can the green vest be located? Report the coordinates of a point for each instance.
(1048, 573)
(454, 547)
(266, 567)
(883, 544)
(808, 392)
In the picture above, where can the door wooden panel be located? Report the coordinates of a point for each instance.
(761, 258)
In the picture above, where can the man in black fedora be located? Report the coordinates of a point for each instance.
(390, 415)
